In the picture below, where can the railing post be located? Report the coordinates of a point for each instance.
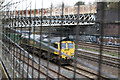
(0, 34)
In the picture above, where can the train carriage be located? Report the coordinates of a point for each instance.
(13, 36)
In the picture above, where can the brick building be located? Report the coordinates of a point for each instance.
(111, 19)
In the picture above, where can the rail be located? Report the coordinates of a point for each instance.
(96, 46)
(78, 60)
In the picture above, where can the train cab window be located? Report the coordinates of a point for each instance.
(70, 45)
(63, 46)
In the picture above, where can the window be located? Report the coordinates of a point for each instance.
(63, 46)
(70, 45)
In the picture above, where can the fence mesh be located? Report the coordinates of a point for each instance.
(60, 42)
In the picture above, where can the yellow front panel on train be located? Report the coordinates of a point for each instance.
(68, 47)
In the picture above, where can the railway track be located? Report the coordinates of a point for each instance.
(107, 60)
(36, 68)
(86, 73)
(96, 47)
(70, 68)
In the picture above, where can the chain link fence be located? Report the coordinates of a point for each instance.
(59, 43)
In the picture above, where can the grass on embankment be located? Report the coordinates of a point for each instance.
(104, 52)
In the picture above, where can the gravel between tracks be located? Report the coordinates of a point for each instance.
(105, 68)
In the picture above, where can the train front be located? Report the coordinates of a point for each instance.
(67, 47)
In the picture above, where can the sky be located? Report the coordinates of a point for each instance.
(32, 4)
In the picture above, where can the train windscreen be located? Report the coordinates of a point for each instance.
(63, 46)
(70, 45)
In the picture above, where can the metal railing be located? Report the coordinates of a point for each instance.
(25, 60)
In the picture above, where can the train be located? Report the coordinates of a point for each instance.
(13, 36)
(58, 45)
